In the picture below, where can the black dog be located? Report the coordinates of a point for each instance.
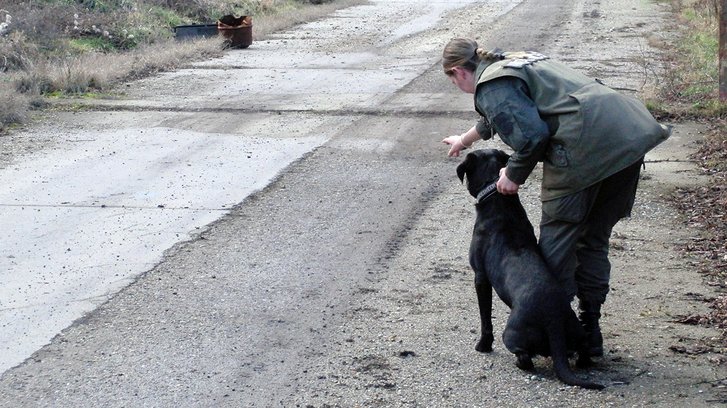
(505, 256)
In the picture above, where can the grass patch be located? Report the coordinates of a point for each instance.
(692, 83)
(88, 44)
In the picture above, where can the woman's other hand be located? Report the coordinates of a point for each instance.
(505, 185)
(456, 145)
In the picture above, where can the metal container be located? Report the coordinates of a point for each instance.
(237, 31)
(189, 32)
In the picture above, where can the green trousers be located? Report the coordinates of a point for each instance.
(575, 232)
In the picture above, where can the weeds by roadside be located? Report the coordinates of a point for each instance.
(691, 89)
(690, 86)
(14, 110)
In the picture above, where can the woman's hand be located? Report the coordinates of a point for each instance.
(456, 145)
(506, 186)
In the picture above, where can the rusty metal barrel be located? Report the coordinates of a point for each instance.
(237, 31)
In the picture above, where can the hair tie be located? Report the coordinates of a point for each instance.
(496, 54)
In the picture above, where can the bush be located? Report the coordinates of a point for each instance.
(15, 106)
(17, 52)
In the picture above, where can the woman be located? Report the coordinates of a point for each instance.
(591, 140)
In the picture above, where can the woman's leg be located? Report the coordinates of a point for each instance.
(614, 201)
(574, 240)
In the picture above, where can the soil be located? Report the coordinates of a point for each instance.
(403, 333)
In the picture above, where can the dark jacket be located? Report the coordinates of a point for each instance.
(580, 129)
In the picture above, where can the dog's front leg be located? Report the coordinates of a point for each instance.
(484, 300)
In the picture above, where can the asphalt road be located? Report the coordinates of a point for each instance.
(313, 155)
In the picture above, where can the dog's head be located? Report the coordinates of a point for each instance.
(481, 167)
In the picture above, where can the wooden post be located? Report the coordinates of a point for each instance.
(723, 51)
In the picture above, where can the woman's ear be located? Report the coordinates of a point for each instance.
(457, 71)
(464, 79)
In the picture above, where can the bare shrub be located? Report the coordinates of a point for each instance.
(710, 8)
(52, 25)
(14, 108)
(45, 24)
(16, 52)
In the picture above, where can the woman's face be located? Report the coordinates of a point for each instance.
(463, 78)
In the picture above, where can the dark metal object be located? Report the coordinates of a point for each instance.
(188, 32)
(237, 31)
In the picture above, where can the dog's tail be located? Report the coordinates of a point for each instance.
(558, 351)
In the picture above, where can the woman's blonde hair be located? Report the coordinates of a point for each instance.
(465, 53)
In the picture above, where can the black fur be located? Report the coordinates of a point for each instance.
(505, 256)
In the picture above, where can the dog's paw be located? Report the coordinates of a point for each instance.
(483, 347)
(524, 362)
(485, 344)
(584, 361)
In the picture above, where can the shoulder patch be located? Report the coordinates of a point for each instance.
(522, 58)
(503, 124)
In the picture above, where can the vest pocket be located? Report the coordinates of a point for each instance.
(571, 208)
(557, 155)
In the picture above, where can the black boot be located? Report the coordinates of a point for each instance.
(590, 313)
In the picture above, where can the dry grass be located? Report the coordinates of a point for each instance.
(15, 106)
(98, 72)
(692, 82)
(76, 75)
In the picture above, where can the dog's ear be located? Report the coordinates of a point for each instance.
(462, 168)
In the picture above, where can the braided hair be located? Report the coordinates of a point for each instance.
(465, 53)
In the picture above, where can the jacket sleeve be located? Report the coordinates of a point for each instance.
(484, 129)
(514, 116)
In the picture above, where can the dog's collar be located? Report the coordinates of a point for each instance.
(487, 192)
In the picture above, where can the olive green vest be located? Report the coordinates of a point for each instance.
(595, 131)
